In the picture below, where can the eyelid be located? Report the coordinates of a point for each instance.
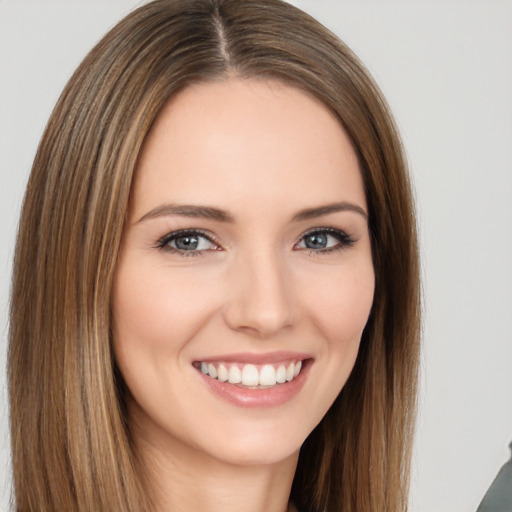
(162, 242)
(344, 238)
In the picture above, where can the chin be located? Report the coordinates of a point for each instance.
(255, 453)
(263, 447)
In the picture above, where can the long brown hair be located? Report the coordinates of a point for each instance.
(71, 445)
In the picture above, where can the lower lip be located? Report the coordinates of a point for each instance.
(269, 397)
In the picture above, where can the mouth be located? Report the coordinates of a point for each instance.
(256, 380)
(252, 376)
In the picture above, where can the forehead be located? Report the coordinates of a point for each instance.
(236, 140)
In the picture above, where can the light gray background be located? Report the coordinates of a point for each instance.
(446, 69)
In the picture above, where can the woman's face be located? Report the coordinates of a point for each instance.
(246, 256)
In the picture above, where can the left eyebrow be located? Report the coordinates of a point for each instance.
(311, 213)
(187, 210)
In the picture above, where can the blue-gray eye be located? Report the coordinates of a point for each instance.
(316, 241)
(323, 240)
(186, 241)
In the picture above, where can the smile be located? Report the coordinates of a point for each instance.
(251, 376)
(255, 380)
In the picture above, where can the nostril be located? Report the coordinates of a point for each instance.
(261, 322)
(261, 302)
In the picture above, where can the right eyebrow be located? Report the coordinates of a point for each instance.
(188, 210)
(320, 211)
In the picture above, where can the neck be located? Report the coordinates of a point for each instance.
(181, 479)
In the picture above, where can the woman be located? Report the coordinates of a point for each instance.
(145, 378)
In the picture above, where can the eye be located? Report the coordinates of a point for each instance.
(187, 242)
(324, 240)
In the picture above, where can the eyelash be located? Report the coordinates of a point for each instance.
(344, 241)
(163, 243)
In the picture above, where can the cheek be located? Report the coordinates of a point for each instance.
(156, 312)
(343, 306)
(157, 309)
(341, 312)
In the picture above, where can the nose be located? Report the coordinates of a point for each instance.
(261, 300)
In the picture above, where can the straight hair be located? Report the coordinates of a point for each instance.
(71, 445)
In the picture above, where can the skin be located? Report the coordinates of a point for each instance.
(261, 151)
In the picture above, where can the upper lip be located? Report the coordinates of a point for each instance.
(257, 358)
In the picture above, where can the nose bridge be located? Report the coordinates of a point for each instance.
(261, 299)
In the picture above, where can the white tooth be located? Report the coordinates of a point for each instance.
(298, 366)
(289, 372)
(267, 375)
(222, 373)
(234, 375)
(281, 374)
(204, 368)
(212, 371)
(250, 375)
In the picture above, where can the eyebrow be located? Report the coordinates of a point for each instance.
(209, 212)
(312, 213)
(186, 210)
